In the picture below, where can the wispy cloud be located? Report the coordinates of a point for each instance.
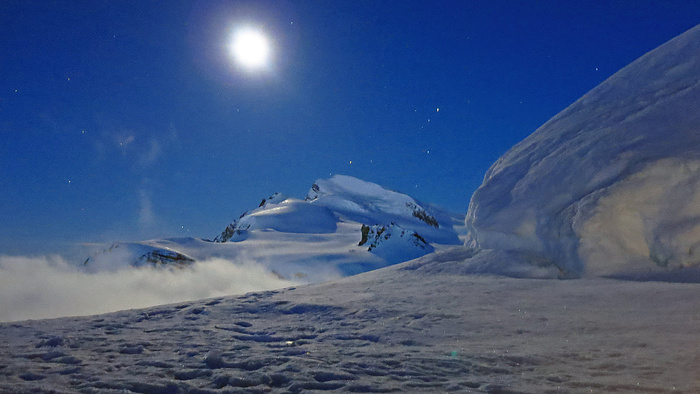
(151, 154)
(147, 218)
(44, 287)
(125, 141)
(137, 148)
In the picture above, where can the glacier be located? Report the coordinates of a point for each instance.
(610, 185)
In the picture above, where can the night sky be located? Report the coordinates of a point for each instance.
(129, 120)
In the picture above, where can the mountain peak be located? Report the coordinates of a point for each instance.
(340, 197)
(369, 203)
(345, 226)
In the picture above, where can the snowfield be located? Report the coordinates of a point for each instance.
(398, 329)
(608, 189)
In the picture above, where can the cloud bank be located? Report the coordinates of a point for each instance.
(46, 287)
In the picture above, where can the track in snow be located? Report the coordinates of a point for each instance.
(390, 330)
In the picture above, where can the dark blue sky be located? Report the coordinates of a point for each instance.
(125, 120)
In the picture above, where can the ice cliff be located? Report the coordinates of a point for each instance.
(611, 185)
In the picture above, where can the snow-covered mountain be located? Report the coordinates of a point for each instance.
(344, 226)
(368, 203)
(139, 254)
(343, 198)
(611, 185)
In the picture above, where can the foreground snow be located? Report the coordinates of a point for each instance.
(405, 328)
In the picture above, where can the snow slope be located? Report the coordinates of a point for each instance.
(611, 185)
(391, 330)
(311, 240)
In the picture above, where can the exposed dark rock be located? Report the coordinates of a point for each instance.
(378, 234)
(365, 235)
(166, 257)
(422, 215)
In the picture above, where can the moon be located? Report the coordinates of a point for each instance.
(250, 48)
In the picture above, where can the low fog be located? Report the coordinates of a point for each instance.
(45, 287)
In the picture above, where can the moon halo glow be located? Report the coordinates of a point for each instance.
(250, 48)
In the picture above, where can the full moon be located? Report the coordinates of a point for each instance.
(250, 48)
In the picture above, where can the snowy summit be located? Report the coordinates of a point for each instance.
(611, 185)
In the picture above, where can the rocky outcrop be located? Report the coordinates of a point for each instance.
(422, 215)
(168, 258)
(374, 236)
(137, 254)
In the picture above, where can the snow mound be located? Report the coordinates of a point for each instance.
(611, 185)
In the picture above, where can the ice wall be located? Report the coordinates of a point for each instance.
(612, 183)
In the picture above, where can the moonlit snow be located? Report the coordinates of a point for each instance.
(606, 191)
(392, 330)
